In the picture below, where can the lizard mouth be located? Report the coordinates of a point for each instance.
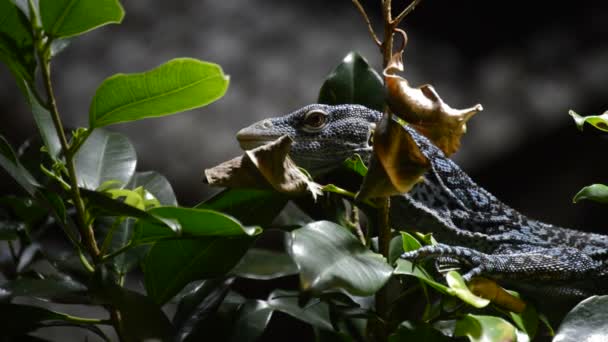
(249, 143)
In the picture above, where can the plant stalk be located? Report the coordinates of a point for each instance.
(84, 228)
(86, 231)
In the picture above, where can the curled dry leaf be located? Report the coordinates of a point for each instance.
(489, 289)
(397, 164)
(424, 109)
(267, 166)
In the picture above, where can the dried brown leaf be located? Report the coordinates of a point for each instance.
(489, 289)
(424, 109)
(266, 166)
(398, 163)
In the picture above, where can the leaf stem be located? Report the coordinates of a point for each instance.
(117, 252)
(86, 231)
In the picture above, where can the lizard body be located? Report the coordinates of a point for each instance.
(478, 233)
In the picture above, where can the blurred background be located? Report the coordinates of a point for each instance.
(527, 66)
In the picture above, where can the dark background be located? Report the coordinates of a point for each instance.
(526, 65)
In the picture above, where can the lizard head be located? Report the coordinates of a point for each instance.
(323, 135)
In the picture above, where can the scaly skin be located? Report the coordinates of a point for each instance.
(478, 233)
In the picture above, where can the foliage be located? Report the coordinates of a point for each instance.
(118, 219)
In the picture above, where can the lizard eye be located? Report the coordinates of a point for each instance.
(315, 119)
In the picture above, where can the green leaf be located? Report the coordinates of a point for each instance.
(395, 249)
(142, 318)
(25, 318)
(353, 81)
(250, 206)
(329, 257)
(264, 264)
(405, 267)
(485, 328)
(26, 209)
(102, 204)
(254, 315)
(45, 125)
(410, 243)
(526, 321)
(587, 321)
(156, 184)
(461, 290)
(315, 314)
(595, 192)
(105, 156)
(408, 331)
(356, 164)
(172, 264)
(10, 163)
(193, 223)
(9, 230)
(66, 18)
(251, 321)
(58, 290)
(178, 85)
(16, 44)
(598, 121)
(195, 294)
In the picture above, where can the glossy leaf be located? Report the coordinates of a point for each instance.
(485, 328)
(588, 321)
(66, 18)
(10, 163)
(249, 206)
(105, 156)
(408, 331)
(57, 290)
(264, 264)
(595, 192)
(29, 254)
(315, 314)
(252, 319)
(100, 203)
(16, 45)
(45, 125)
(142, 318)
(9, 230)
(178, 85)
(353, 81)
(198, 309)
(193, 223)
(172, 264)
(329, 257)
(193, 295)
(405, 267)
(410, 243)
(598, 121)
(26, 318)
(156, 184)
(460, 289)
(395, 249)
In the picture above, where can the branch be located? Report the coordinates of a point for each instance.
(368, 22)
(405, 12)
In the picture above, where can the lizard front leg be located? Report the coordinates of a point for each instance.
(540, 264)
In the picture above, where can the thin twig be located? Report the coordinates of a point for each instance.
(368, 22)
(405, 12)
